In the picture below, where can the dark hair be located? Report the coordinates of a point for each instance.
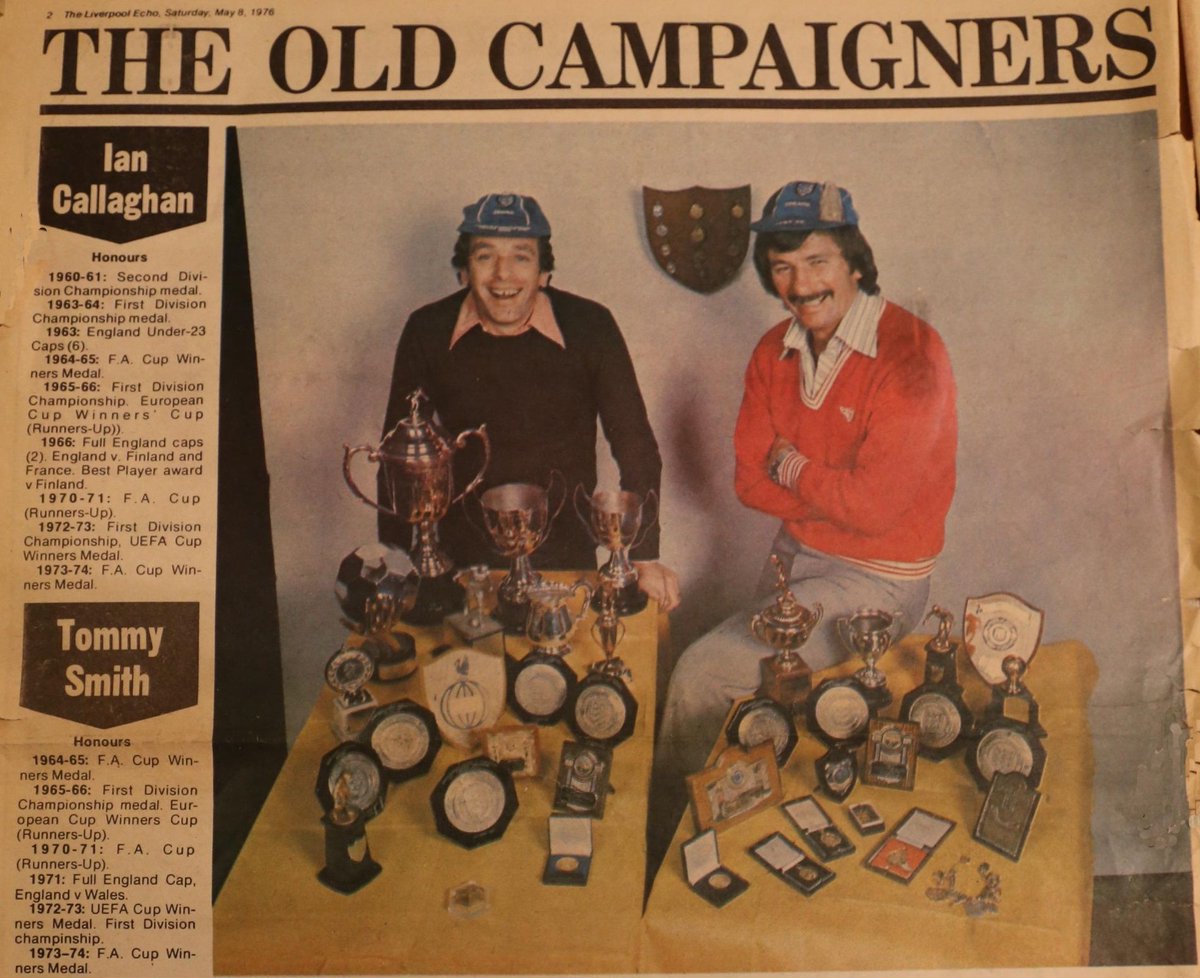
(847, 237)
(462, 251)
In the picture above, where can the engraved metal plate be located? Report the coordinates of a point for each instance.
(474, 802)
(405, 737)
(760, 720)
(539, 687)
(357, 768)
(838, 711)
(602, 709)
(1007, 814)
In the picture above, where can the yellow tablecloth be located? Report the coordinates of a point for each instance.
(273, 917)
(862, 920)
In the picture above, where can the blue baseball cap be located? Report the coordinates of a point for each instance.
(805, 206)
(505, 216)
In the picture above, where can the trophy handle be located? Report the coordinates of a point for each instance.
(372, 456)
(555, 475)
(756, 626)
(466, 509)
(585, 517)
(818, 612)
(843, 629)
(897, 627)
(587, 595)
(459, 442)
(647, 522)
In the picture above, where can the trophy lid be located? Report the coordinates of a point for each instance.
(787, 613)
(416, 437)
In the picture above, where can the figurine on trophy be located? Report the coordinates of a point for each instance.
(473, 622)
(937, 705)
(785, 626)
(869, 633)
(518, 517)
(607, 632)
(417, 485)
(344, 828)
(375, 586)
(616, 522)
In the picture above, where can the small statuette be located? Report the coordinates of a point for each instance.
(345, 828)
(785, 627)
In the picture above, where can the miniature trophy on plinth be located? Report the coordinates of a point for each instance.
(937, 705)
(518, 518)
(1002, 634)
(473, 623)
(603, 709)
(785, 626)
(376, 584)
(869, 633)
(541, 683)
(616, 523)
(416, 484)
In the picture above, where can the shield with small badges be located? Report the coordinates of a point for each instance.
(698, 236)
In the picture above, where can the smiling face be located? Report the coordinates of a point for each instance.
(504, 276)
(816, 284)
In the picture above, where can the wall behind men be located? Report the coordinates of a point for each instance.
(1033, 248)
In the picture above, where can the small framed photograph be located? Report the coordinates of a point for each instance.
(704, 873)
(516, 747)
(866, 819)
(787, 862)
(817, 829)
(740, 783)
(909, 845)
(1007, 814)
(892, 748)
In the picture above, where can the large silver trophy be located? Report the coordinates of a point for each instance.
(416, 484)
(518, 517)
(869, 633)
(615, 521)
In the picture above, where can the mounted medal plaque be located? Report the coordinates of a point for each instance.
(837, 771)
(404, 735)
(892, 747)
(838, 712)
(997, 626)
(937, 705)
(582, 782)
(1005, 746)
(539, 687)
(1007, 814)
(602, 710)
(761, 720)
(345, 828)
(474, 802)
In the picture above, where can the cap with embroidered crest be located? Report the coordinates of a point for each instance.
(805, 206)
(505, 215)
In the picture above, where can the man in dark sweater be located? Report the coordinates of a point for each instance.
(538, 366)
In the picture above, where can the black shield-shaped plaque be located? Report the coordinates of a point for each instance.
(698, 236)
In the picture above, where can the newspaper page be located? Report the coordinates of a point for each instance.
(225, 749)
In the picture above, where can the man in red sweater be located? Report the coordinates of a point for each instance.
(847, 434)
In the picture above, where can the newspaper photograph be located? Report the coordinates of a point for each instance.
(572, 489)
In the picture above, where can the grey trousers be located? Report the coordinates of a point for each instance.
(723, 665)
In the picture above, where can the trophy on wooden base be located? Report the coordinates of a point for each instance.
(416, 484)
(785, 627)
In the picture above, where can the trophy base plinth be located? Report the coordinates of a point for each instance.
(787, 683)
(437, 597)
(629, 600)
(877, 696)
(350, 878)
(512, 614)
(471, 628)
(348, 720)
(394, 655)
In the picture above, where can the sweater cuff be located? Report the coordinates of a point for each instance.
(786, 472)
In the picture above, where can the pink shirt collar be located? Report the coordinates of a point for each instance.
(541, 318)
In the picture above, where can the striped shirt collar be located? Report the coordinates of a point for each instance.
(856, 333)
(541, 319)
(857, 330)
